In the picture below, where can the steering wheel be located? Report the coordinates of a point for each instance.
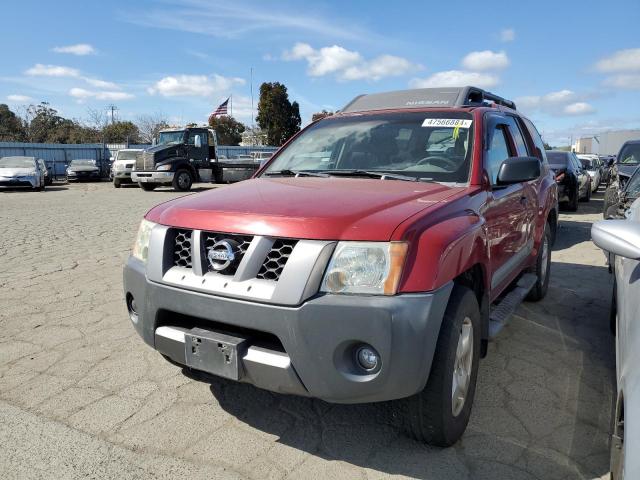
(437, 159)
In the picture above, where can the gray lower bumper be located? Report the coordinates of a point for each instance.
(152, 177)
(122, 175)
(318, 337)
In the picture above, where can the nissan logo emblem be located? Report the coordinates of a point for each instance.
(221, 255)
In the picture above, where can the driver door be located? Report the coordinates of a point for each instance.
(198, 154)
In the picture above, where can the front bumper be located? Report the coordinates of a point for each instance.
(23, 181)
(317, 337)
(152, 177)
(122, 175)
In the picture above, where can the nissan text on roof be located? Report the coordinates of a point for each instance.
(371, 259)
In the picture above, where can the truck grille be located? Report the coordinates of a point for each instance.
(271, 266)
(276, 259)
(182, 249)
(144, 162)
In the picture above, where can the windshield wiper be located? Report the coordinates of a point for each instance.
(292, 173)
(373, 174)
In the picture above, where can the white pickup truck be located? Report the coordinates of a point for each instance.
(123, 163)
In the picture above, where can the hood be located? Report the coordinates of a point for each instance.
(163, 152)
(125, 162)
(626, 170)
(16, 171)
(310, 208)
(83, 168)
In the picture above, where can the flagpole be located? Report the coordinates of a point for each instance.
(231, 104)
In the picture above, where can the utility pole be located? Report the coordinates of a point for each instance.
(113, 109)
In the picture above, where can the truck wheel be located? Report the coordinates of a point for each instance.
(439, 414)
(182, 181)
(542, 267)
(116, 183)
(147, 187)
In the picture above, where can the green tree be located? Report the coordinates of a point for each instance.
(11, 127)
(43, 123)
(319, 115)
(277, 116)
(121, 132)
(228, 129)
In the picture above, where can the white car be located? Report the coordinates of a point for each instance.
(621, 239)
(21, 172)
(591, 163)
(123, 164)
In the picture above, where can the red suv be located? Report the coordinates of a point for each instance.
(371, 259)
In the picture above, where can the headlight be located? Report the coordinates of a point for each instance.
(141, 245)
(164, 167)
(365, 267)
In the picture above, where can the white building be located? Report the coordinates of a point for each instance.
(605, 143)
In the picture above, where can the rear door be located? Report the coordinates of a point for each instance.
(506, 214)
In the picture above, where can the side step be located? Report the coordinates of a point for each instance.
(501, 313)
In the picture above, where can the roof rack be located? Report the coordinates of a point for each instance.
(425, 98)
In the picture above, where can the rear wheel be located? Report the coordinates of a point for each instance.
(439, 414)
(182, 181)
(116, 183)
(572, 204)
(542, 267)
(147, 187)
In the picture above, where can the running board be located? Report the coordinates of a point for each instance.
(502, 312)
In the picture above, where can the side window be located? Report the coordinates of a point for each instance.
(516, 134)
(192, 137)
(538, 144)
(498, 152)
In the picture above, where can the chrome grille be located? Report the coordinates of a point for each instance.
(182, 249)
(209, 239)
(144, 162)
(276, 259)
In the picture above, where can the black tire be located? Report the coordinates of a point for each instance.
(542, 267)
(429, 415)
(147, 187)
(572, 204)
(182, 181)
(587, 195)
(116, 183)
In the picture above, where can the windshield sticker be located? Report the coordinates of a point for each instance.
(447, 122)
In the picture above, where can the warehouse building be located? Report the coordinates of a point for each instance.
(605, 143)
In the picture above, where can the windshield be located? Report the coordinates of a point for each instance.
(17, 162)
(167, 138)
(630, 154)
(83, 163)
(127, 155)
(431, 146)
(586, 163)
(557, 158)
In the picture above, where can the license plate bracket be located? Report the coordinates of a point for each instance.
(214, 352)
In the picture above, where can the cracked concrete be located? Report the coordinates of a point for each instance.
(82, 396)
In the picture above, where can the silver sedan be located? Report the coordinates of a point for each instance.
(21, 172)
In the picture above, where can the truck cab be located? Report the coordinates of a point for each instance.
(179, 158)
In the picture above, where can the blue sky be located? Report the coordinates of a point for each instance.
(573, 67)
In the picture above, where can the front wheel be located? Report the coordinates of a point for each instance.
(439, 414)
(147, 187)
(182, 181)
(542, 267)
(116, 183)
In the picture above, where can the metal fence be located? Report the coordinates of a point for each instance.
(58, 156)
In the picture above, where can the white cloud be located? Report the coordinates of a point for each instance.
(81, 94)
(485, 60)
(621, 61)
(193, 85)
(347, 64)
(40, 70)
(507, 35)
(456, 78)
(78, 49)
(19, 98)
(624, 81)
(560, 103)
(95, 82)
(578, 108)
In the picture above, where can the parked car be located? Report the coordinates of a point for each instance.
(370, 259)
(123, 163)
(593, 168)
(574, 183)
(21, 172)
(48, 177)
(622, 169)
(621, 239)
(607, 162)
(629, 194)
(83, 169)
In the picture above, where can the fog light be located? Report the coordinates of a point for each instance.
(368, 358)
(131, 307)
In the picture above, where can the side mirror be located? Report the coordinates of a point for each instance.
(198, 142)
(518, 169)
(620, 237)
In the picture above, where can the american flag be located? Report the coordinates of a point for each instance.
(222, 109)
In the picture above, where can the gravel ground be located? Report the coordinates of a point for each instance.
(81, 396)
